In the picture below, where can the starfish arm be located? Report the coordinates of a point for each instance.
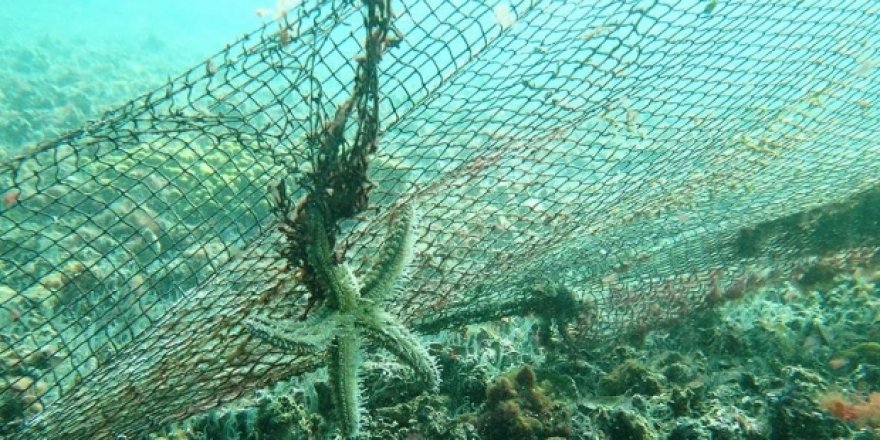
(296, 338)
(389, 333)
(320, 259)
(344, 385)
(336, 280)
(346, 288)
(394, 256)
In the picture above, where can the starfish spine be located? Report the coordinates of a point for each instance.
(344, 384)
(394, 256)
(290, 343)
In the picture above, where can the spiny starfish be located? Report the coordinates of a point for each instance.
(352, 312)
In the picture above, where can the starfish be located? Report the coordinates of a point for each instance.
(351, 315)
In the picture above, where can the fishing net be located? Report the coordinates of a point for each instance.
(611, 165)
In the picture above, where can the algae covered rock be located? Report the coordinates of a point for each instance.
(631, 377)
(624, 424)
(864, 353)
(517, 408)
(424, 417)
(792, 411)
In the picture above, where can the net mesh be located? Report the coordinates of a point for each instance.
(652, 157)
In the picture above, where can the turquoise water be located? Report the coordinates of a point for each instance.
(62, 63)
(198, 25)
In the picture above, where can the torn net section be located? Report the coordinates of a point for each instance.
(653, 157)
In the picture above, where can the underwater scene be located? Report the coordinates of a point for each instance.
(440, 219)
